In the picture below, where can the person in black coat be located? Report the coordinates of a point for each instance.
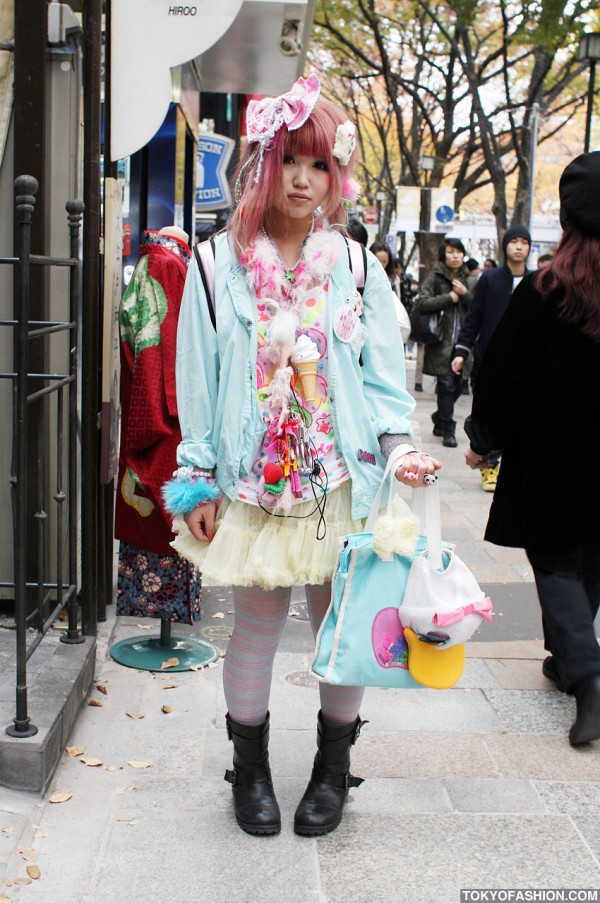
(547, 499)
(490, 300)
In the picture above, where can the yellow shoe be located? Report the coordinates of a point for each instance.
(489, 478)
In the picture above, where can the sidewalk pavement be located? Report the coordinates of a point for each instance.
(473, 787)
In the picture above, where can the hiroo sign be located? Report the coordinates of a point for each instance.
(149, 38)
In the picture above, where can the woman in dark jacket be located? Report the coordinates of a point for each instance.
(547, 502)
(446, 291)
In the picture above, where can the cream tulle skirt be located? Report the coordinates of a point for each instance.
(253, 548)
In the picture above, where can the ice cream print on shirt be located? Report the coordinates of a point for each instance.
(291, 447)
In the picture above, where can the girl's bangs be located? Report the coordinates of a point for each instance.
(309, 142)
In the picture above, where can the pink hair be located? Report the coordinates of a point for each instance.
(315, 138)
(575, 271)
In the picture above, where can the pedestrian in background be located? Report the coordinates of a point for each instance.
(490, 300)
(474, 269)
(446, 291)
(291, 395)
(548, 428)
(544, 259)
(489, 264)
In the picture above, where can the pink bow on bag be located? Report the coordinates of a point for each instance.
(481, 607)
(265, 117)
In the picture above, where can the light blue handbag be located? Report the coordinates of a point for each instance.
(361, 640)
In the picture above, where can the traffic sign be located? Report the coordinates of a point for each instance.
(444, 213)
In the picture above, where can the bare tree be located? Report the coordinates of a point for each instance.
(460, 81)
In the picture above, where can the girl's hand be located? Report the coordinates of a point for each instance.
(201, 521)
(416, 467)
(475, 461)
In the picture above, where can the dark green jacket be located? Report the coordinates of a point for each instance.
(434, 296)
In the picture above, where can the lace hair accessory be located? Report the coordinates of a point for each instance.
(265, 117)
(345, 142)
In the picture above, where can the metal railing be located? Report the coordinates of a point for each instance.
(33, 397)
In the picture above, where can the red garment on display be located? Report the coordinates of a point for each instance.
(150, 430)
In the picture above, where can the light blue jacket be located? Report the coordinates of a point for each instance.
(220, 420)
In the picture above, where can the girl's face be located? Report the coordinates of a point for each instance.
(383, 257)
(305, 186)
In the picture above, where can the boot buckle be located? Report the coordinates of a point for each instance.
(231, 776)
(351, 781)
(356, 735)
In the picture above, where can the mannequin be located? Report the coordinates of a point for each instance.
(153, 581)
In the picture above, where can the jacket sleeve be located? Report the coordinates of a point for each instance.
(429, 300)
(197, 375)
(383, 369)
(511, 369)
(472, 323)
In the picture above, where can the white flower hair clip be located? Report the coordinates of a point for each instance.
(345, 142)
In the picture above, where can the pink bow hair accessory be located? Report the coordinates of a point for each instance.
(265, 117)
(481, 607)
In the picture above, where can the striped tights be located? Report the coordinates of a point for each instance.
(260, 617)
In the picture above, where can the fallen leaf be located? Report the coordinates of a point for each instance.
(170, 686)
(167, 709)
(40, 834)
(213, 664)
(95, 703)
(8, 830)
(222, 654)
(218, 614)
(102, 689)
(128, 820)
(60, 796)
(135, 715)
(22, 880)
(170, 663)
(33, 825)
(197, 667)
(135, 764)
(91, 763)
(231, 611)
(144, 626)
(34, 872)
(112, 767)
(72, 751)
(28, 853)
(130, 789)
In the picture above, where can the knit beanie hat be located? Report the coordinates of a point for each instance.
(515, 232)
(578, 190)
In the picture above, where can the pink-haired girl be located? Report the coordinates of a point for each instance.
(291, 394)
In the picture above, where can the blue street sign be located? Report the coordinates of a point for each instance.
(212, 190)
(444, 214)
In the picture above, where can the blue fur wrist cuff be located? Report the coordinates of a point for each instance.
(182, 496)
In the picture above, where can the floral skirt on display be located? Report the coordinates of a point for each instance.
(151, 585)
(254, 548)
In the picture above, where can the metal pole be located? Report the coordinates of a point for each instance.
(75, 214)
(92, 42)
(25, 189)
(590, 107)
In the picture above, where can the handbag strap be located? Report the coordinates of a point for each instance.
(425, 503)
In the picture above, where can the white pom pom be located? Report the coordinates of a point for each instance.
(397, 532)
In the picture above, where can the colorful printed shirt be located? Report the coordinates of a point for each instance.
(316, 414)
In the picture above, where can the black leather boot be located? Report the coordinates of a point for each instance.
(320, 809)
(449, 433)
(587, 724)
(256, 809)
(437, 425)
